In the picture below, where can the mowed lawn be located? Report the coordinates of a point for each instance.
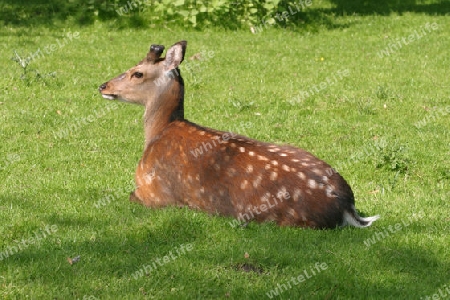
(370, 96)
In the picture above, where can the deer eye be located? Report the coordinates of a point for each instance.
(137, 75)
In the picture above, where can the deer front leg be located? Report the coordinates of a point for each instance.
(134, 198)
(146, 195)
(144, 182)
(149, 191)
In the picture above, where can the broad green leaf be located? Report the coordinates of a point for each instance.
(271, 21)
(178, 2)
(193, 20)
(184, 13)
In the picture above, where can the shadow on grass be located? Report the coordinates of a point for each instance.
(27, 13)
(313, 18)
(117, 251)
(35, 12)
(386, 7)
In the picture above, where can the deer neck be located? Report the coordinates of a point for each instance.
(163, 108)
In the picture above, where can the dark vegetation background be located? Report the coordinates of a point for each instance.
(230, 14)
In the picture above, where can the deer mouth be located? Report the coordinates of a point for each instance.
(103, 90)
(109, 96)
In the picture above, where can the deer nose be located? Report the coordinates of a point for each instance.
(102, 87)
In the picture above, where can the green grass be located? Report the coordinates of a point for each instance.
(365, 124)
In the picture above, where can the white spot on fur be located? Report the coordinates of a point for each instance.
(286, 168)
(233, 145)
(267, 167)
(261, 157)
(202, 190)
(273, 176)
(242, 149)
(317, 171)
(149, 177)
(301, 175)
(297, 194)
(312, 184)
(244, 184)
(251, 153)
(283, 154)
(249, 169)
(274, 162)
(231, 171)
(257, 181)
(201, 133)
(329, 191)
(294, 160)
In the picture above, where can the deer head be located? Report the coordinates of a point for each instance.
(154, 82)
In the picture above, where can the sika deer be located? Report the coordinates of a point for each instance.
(235, 176)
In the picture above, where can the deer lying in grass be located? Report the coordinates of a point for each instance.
(239, 176)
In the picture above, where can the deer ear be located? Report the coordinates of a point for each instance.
(175, 55)
(154, 53)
